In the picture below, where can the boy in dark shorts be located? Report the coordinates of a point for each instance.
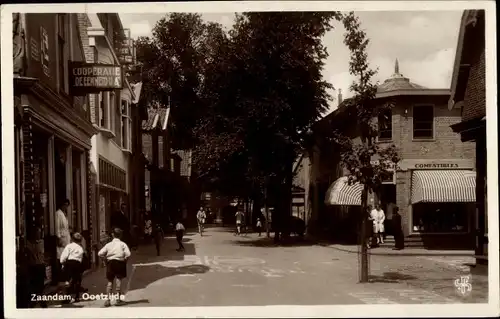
(116, 254)
(71, 259)
(179, 233)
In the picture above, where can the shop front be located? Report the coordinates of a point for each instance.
(52, 167)
(441, 206)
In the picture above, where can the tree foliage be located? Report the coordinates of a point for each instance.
(173, 66)
(368, 162)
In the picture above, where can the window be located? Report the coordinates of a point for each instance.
(440, 218)
(126, 125)
(61, 45)
(385, 125)
(96, 55)
(423, 122)
(103, 99)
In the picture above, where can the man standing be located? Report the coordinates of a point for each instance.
(63, 237)
(396, 227)
(239, 220)
(120, 220)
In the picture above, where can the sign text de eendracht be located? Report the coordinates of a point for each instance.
(92, 78)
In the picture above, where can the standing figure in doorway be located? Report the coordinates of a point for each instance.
(397, 229)
(63, 239)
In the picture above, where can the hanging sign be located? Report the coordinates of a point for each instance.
(85, 78)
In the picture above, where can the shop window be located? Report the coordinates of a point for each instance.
(61, 50)
(423, 122)
(126, 125)
(440, 218)
(385, 125)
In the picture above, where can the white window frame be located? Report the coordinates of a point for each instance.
(126, 142)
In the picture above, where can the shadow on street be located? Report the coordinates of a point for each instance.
(145, 275)
(293, 241)
(391, 278)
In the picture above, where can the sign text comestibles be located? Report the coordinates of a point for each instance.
(87, 78)
(445, 165)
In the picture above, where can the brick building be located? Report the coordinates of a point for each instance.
(468, 94)
(432, 155)
(52, 130)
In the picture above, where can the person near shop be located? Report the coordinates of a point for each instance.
(369, 226)
(179, 234)
(63, 239)
(36, 266)
(120, 220)
(239, 220)
(397, 229)
(71, 259)
(115, 254)
(378, 217)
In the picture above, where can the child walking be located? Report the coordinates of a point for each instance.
(179, 233)
(71, 259)
(116, 254)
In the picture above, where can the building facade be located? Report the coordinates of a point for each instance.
(52, 130)
(432, 155)
(111, 113)
(468, 94)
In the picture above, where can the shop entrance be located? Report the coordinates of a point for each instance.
(387, 203)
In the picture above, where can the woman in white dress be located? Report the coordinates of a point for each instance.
(378, 217)
(63, 235)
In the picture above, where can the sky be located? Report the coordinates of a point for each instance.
(424, 42)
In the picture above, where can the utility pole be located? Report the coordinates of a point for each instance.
(267, 211)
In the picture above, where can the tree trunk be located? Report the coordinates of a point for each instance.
(364, 271)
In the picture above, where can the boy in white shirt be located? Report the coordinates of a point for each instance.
(71, 259)
(116, 254)
(179, 233)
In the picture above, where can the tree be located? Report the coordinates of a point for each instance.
(263, 97)
(173, 66)
(359, 158)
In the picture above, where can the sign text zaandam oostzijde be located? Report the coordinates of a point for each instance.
(87, 78)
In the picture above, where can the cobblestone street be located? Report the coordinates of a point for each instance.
(220, 269)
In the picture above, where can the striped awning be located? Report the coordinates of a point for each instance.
(443, 186)
(341, 193)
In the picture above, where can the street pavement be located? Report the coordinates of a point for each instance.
(221, 269)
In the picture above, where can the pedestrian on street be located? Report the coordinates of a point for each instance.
(200, 217)
(179, 233)
(158, 235)
(71, 259)
(259, 226)
(63, 239)
(148, 227)
(115, 253)
(239, 220)
(120, 220)
(398, 231)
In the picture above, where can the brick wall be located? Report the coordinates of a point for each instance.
(83, 25)
(475, 92)
(445, 145)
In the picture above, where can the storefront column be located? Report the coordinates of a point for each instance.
(69, 186)
(480, 195)
(51, 179)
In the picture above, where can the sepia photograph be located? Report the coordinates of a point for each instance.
(252, 159)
